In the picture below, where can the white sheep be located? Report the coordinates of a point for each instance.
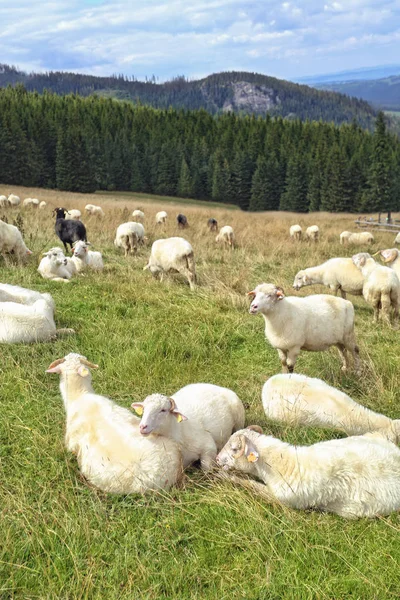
(312, 233)
(173, 255)
(112, 454)
(86, 259)
(42, 205)
(56, 266)
(200, 418)
(14, 200)
(21, 323)
(336, 273)
(397, 239)
(226, 235)
(4, 202)
(94, 210)
(356, 239)
(11, 241)
(138, 214)
(31, 202)
(73, 215)
(299, 400)
(14, 293)
(391, 259)
(313, 323)
(295, 232)
(353, 477)
(129, 236)
(381, 286)
(344, 237)
(161, 217)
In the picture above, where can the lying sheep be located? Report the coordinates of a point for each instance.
(11, 241)
(312, 233)
(111, 453)
(381, 287)
(391, 259)
(73, 215)
(56, 266)
(4, 202)
(84, 258)
(42, 205)
(21, 323)
(313, 323)
(161, 217)
(356, 239)
(295, 232)
(353, 477)
(227, 236)
(20, 295)
(14, 200)
(200, 418)
(173, 255)
(336, 273)
(138, 215)
(129, 236)
(299, 400)
(94, 210)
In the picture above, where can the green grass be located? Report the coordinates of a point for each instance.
(208, 540)
(147, 198)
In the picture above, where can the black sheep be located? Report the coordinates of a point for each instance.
(182, 221)
(68, 231)
(212, 224)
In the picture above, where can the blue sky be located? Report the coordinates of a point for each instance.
(199, 37)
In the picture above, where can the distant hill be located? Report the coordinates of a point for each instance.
(363, 74)
(241, 92)
(381, 93)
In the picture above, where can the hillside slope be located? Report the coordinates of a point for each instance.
(382, 93)
(248, 93)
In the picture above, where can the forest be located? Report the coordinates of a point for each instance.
(258, 163)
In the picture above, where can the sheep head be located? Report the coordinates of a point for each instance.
(301, 280)
(389, 255)
(360, 259)
(72, 362)
(240, 452)
(264, 297)
(155, 412)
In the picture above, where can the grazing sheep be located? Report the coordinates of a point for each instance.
(200, 418)
(86, 259)
(313, 323)
(31, 202)
(138, 215)
(381, 286)
(20, 295)
(56, 266)
(391, 259)
(14, 200)
(397, 238)
(129, 235)
(68, 231)
(42, 205)
(73, 215)
(21, 323)
(11, 241)
(212, 224)
(356, 239)
(4, 202)
(295, 232)
(94, 210)
(353, 477)
(299, 400)
(173, 255)
(312, 233)
(111, 453)
(336, 273)
(182, 221)
(227, 236)
(161, 217)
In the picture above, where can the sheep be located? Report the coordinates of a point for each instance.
(68, 231)
(212, 224)
(312, 233)
(11, 241)
(73, 215)
(20, 323)
(31, 202)
(227, 236)
(391, 259)
(182, 221)
(84, 258)
(20, 295)
(313, 323)
(381, 287)
(42, 205)
(173, 255)
(397, 239)
(111, 453)
(353, 477)
(210, 415)
(4, 202)
(295, 232)
(14, 200)
(356, 239)
(94, 210)
(55, 266)
(138, 215)
(299, 400)
(161, 217)
(336, 273)
(128, 236)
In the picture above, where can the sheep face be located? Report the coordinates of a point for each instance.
(56, 257)
(156, 412)
(360, 259)
(80, 249)
(239, 453)
(264, 298)
(389, 255)
(60, 213)
(300, 280)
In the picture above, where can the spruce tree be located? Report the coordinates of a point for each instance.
(295, 195)
(378, 196)
(185, 185)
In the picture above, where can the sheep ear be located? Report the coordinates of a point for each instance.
(138, 408)
(179, 416)
(280, 294)
(56, 369)
(250, 451)
(88, 243)
(251, 294)
(256, 428)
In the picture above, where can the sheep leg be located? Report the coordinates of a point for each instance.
(291, 358)
(189, 276)
(282, 357)
(343, 294)
(386, 304)
(343, 356)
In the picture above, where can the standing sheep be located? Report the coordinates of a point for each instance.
(138, 215)
(212, 224)
(227, 236)
(42, 205)
(4, 202)
(68, 231)
(391, 259)
(161, 217)
(356, 239)
(397, 238)
(73, 215)
(14, 200)
(94, 210)
(336, 273)
(182, 221)
(173, 255)
(314, 323)
(312, 233)
(295, 232)
(129, 236)
(11, 241)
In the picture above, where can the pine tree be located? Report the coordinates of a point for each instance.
(378, 195)
(336, 193)
(185, 185)
(295, 195)
(265, 189)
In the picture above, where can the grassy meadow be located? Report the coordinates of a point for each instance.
(209, 539)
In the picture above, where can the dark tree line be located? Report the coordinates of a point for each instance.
(84, 144)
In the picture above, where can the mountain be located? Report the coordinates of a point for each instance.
(381, 93)
(241, 92)
(363, 74)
